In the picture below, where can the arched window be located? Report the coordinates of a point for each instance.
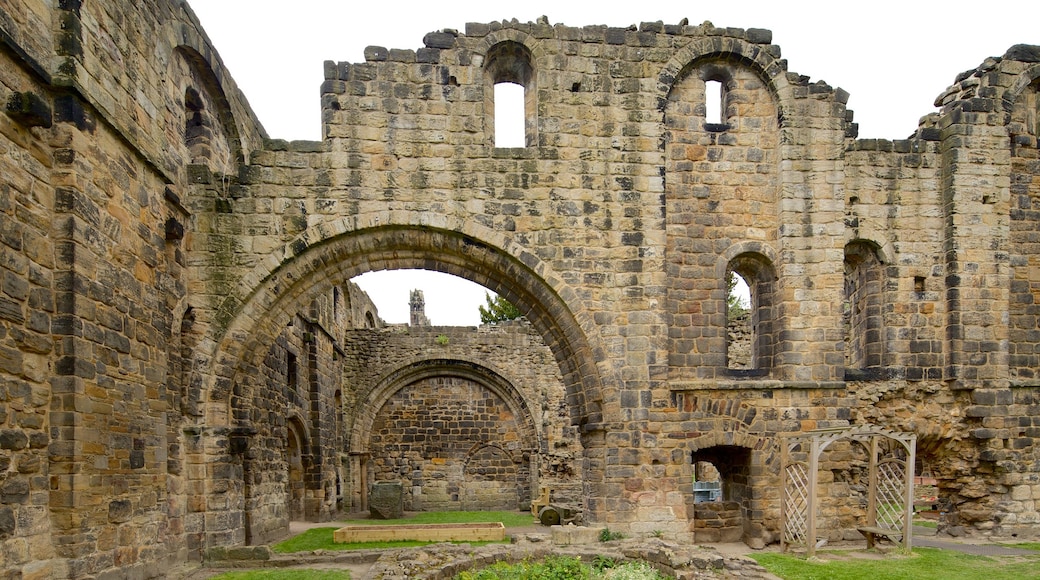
(862, 309)
(758, 274)
(509, 96)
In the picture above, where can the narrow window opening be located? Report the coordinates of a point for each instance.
(919, 284)
(713, 103)
(740, 333)
(510, 120)
(292, 377)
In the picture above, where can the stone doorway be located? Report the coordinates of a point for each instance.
(296, 489)
(722, 493)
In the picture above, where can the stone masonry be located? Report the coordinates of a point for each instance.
(178, 363)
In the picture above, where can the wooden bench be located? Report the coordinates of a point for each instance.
(870, 532)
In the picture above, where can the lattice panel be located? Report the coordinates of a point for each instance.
(796, 503)
(891, 494)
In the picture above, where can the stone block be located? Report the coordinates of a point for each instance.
(386, 500)
(571, 535)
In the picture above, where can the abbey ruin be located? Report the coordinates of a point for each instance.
(185, 366)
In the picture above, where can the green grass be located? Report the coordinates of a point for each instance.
(1025, 546)
(321, 538)
(285, 575)
(922, 564)
(509, 519)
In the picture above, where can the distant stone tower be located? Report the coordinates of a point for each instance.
(417, 307)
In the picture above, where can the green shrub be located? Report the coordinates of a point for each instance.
(606, 535)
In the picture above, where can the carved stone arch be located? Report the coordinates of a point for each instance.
(756, 263)
(459, 434)
(732, 432)
(863, 305)
(722, 265)
(207, 109)
(496, 37)
(183, 40)
(509, 58)
(298, 463)
(416, 369)
(1023, 82)
(739, 461)
(252, 315)
(724, 50)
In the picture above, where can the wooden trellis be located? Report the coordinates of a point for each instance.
(890, 500)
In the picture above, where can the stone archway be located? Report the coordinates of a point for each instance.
(457, 435)
(252, 316)
(296, 480)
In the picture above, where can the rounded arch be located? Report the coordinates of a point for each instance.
(329, 253)
(732, 433)
(726, 259)
(1023, 81)
(858, 249)
(719, 49)
(883, 250)
(298, 464)
(418, 369)
(510, 35)
(510, 61)
(235, 113)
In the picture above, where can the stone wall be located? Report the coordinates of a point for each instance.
(464, 418)
(156, 248)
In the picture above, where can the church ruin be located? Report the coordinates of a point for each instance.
(185, 367)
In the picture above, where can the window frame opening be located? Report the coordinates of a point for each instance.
(509, 117)
(757, 272)
(714, 102)
(510, 62)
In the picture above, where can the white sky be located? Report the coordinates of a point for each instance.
(894, 58)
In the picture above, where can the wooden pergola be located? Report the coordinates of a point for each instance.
(890, 499)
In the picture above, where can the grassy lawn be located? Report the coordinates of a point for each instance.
(285, 575)
(321, 538)
(922, 564)
(509, 519)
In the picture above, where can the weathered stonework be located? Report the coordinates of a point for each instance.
(465, 418)
(173, 365)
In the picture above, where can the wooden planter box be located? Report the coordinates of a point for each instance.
(476, 532)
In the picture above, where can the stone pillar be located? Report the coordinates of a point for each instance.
(975, 182)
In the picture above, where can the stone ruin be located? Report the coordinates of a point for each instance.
(185, 367)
